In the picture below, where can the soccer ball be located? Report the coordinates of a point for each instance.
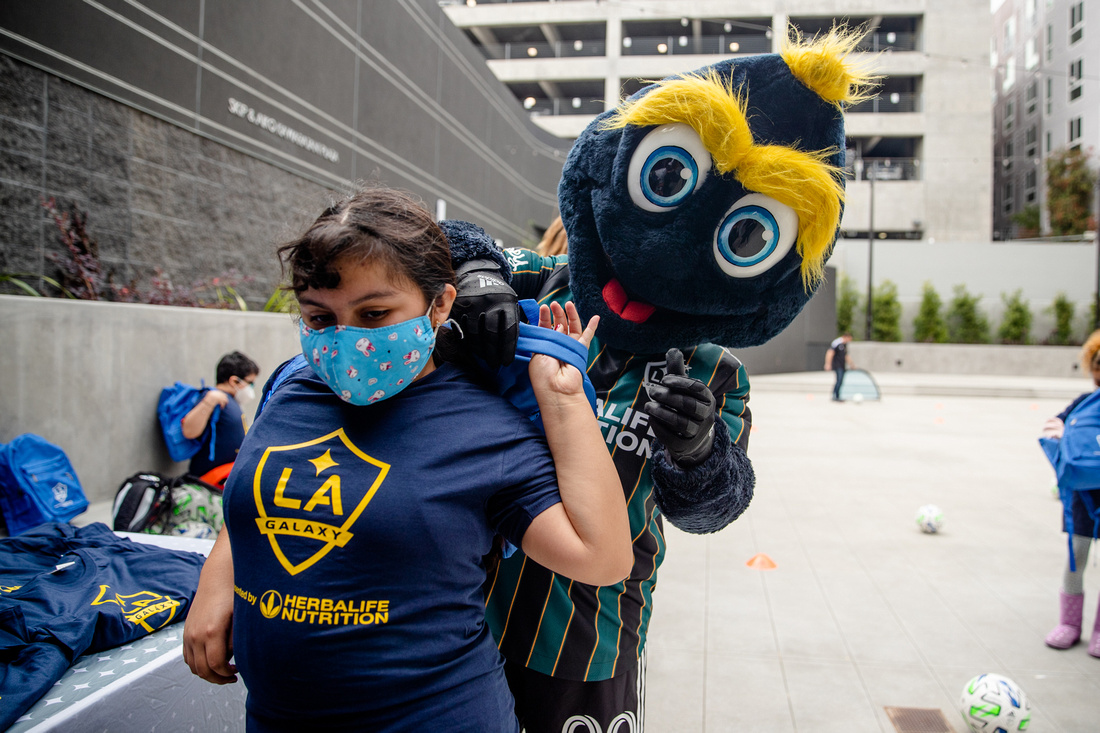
(857, 398)
(929, 519)
(991, 703)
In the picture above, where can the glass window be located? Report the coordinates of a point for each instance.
(1010, 32)
(1031, 56)
(1048, 141)
(1074, 129)
(1010, 74)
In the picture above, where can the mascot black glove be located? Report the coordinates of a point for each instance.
(682, 413)
(486, 312)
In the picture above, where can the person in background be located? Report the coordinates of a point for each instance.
(837, 359)
(554, 240)
(1072, 595)
(235, 375)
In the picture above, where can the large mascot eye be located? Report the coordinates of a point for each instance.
(756, 233)
(669, 164)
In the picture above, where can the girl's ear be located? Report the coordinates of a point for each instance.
(441, 306)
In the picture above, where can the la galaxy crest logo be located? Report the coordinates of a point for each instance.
(139, 608)
(311, 501)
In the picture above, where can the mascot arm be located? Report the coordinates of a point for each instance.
(485, 308)
(708, 497)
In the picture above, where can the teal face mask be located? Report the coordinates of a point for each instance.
(366, 365)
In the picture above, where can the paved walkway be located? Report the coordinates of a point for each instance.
(863, 611)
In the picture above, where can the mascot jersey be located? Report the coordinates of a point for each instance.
(358, 534)
(566, 629)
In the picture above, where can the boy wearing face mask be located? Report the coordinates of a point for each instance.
(235, 376)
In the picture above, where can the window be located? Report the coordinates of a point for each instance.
(1029, 13)
(1008, 197)
(1010, 153)
(1050, 93)
(1048, 141)
(1032, 96)
(1010, 114)
(1032, 139)
(1076, 22)
(1031, 56)
(1050, 42)
(1010, 74)
(1074, 130)
(1010, 32)
(1076, 73)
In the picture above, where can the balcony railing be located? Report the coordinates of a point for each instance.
(564, 106)
(680, 45)
(889, 41)
(884, 169)
(889, 102)
(558, 49)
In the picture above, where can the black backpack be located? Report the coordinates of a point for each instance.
(141, 501)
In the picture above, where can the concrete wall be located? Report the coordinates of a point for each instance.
(994, 360)
(196, 133)
(86, 375)
(988, 269)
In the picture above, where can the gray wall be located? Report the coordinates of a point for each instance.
(86, 376)
(199, 133)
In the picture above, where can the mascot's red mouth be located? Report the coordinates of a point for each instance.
(635, 311)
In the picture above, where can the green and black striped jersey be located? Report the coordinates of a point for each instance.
(567, 629)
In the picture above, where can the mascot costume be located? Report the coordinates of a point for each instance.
(699, 214)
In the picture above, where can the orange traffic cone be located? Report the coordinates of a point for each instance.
(760, 561)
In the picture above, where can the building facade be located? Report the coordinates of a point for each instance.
(196, 135)
(1046, 98)
(925, 138)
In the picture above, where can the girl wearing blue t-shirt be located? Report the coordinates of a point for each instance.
(348, 582)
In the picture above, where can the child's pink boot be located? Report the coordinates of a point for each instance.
(1068, 630)
(1094, 642)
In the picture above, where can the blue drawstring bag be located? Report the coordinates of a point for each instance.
(1076, 461)
(174, 404)
(38, 484)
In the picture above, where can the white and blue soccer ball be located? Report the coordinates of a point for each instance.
(991, 703)
(929, 519)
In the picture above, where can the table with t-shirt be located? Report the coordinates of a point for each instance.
(143, 685)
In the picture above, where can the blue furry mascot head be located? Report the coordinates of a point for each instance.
(703, 208)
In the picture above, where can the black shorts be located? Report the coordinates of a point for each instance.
(550, 705)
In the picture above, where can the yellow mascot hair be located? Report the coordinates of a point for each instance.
(803, 180)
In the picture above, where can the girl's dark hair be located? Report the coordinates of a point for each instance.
(381, 224)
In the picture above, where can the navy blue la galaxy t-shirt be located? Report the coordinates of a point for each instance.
(358, 535)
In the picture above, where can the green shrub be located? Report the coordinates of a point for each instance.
(965, 323)
(929, 326)
(1015, 325)
(886, 313)
(847, 304)
(1063, 310)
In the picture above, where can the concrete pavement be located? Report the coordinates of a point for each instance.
(864, 611)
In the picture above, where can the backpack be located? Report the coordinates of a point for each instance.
(1076, 461)
(141, 502)
(174, 404)
(37, 484)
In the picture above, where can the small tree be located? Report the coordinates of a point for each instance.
(929, 326)
(1070, 185)
(965, 323)
(1015, 325)
(1062, 308)
(1027, 221)
(886, 313)
(847, 304)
